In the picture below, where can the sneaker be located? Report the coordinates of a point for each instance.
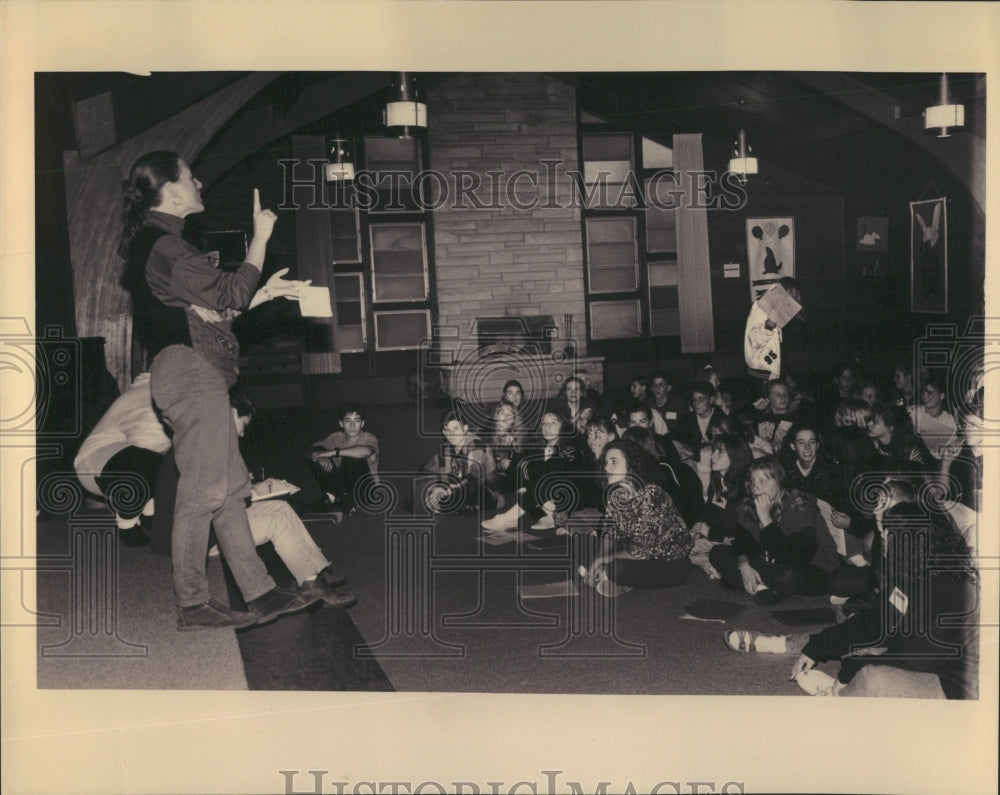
(610, 590)
(508, 520)
(212, 615)
(313, 590)
(278, 602)
(545, 523)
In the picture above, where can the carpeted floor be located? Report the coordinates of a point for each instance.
(437, 609)
(107, 619)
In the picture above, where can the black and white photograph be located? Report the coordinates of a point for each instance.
(367, 404)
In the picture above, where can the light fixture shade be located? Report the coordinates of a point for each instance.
(740, 164)
(744, 166)
(340, 168)
(944, 116)
(405, 112)
(339, 172)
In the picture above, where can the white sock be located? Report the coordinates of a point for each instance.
(126, 524)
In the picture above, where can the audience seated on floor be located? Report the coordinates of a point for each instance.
(592, 396)
(782, 545)
(841, 387)
(918, 639)
(507, 442)
(344, 457)
(640, 415)
(897, 447)
(730, 458)
(773, 419)
(465, 466)
(811, 470)
(696, 428)
(645, 542)
(678, 480)
(868, 391)
(555, 451)
(935, 426)
(669, 404)
(589, 482)
(903, 384)
(573, 404)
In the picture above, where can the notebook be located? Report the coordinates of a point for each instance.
(779, 305)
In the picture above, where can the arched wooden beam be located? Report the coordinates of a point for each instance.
(93, 203)
(261, 128)
(964, 154)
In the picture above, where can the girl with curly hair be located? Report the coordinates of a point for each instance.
(645, 542)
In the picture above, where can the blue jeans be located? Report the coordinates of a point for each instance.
(194, 398)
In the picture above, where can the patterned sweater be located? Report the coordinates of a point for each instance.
(647, 524)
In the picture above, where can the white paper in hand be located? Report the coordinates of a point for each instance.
(315, 302)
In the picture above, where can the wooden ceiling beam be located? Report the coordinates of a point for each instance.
(964, 154)
(257, 130)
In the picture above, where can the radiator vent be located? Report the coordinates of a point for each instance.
(380, 391)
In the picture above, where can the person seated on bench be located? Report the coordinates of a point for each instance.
(271, 520)
(121, 456)
(344, 457)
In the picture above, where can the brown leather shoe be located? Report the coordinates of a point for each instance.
(278, 602)
(212, 615)
(332, 578)
(322, 590)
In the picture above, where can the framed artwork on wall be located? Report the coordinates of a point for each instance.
(872, 248)
(770, 252)
(929, 256)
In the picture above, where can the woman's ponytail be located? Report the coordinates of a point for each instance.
(142, 191)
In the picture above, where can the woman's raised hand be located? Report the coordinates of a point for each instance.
(263, 220)
(279, 286)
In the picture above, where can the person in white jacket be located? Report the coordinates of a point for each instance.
(762, 338)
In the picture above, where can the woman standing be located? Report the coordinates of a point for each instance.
(184, 309)
(646, 542)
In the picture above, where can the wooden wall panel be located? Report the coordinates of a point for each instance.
(694, 284)
(93, 199)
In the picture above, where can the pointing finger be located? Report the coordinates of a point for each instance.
(256, 201)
